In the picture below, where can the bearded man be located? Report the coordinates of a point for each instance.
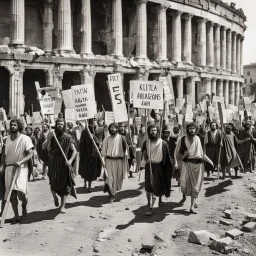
(213, 145)
(114, 151)
(158, 170)
(192, 155)
(18, 151)
(246, 150)
(60, 174)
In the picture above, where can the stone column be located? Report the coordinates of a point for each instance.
(117, 23)
(217, 46)
(223, 54)
(226, 91)
(141, 37)
(16, 97)
(86, 30)
(242, 55)
(210, 45)
(234, 68)
(232, 93)
(88, 75)
(191, 89)
(229, 50)
(219, 89)
(64, 42)
(188, 38)
(180, 87)
(48, 25)
(162, 33)
(17, 22)
(176, 36)
(237, 93)
(214, 87)
(201, 45)
(207, 86)
(55, 77)
(238, 57)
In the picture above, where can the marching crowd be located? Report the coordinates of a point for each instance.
(117, 151)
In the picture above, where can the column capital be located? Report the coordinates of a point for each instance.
(49, 3)
(242, 38)
(140, 1)
(210, 23)
(214, 79)
(208, 79)
(176, 13)
(164, 6)
(220, 80)
(187, 16)
(17, 68)
(234, 33)
(216, 25)
(224, 28)
(90, 70)
(202, 20)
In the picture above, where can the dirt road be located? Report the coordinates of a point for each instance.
(92, 226)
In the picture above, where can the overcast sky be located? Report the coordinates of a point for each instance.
(249, 7)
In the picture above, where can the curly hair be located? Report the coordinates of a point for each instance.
(191, 125)
(113, 124)
(153, 126)
(19, 122)
(29, 127)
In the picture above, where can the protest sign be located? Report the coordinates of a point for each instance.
(200, 120)
(167, 92)
(180, 103)
(57, 106)
(180, 119)
(70, 116)
(247, 102)
(3, 116)
(117, 97)
(169, 82)
(84, 101)
(68, 99)
(188, 116)
(147, 94)
(2, 127)
(109, 117)
(37, 118)
(7, 124)
(189, 100)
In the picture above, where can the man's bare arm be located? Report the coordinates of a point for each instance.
(29, 153)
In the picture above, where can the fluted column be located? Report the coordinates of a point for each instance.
(214, 88)
(180, 87)
(217, 46)
(17, 22)
(237, 93)
(210, 45)
(64, 41)
(86, 29)
(191, 89)
(219, 89)
(207, 86)
(188, 38)
(176, 36)
(242, 55)
(234, 68)
(117, 22)
(226, 91)
(201, 42)
(232, 93)
(141, 37)
(238, 57)
(162, 33)
(48, 25)
(223, 54)
(229, 50)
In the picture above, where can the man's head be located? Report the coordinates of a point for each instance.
(122, 129)
(45, 127)
(60, 115)
(166, 134)
(29, 130)
(213, 125)
(60, 126)
(143, 129)
(153, 132)
(157, 117)
(248, 125)
(113, 128)
(228, 129)
(176, 130)
(70, 126)
(191, 129)
(16, 125)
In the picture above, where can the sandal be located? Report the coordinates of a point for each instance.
(150, 212)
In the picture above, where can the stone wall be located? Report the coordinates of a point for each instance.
(4, 21)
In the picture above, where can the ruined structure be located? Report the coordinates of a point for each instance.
(199, 42)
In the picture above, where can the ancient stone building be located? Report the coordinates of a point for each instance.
(199, 42)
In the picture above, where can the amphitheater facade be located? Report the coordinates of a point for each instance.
(198, 42)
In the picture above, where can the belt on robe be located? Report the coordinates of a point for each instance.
(194, 161)
(114, 158)
(7, 165)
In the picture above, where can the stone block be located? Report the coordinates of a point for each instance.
(249, 227)
(220, 245)
(228, 214)
(202, 237)
(225, 222)
(234, 233)
(251, 216)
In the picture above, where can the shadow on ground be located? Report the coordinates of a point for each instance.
(218, 189)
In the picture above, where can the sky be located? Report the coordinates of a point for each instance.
(249, 8)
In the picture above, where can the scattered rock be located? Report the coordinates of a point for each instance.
(129, 240)
(246, 251)
(96, 250)
(6, 240)
(101, 240)
(220, 244)
(92, 216)
(147, 247)
(234, 233)
(127, 208)
(158, 237)
(200, 237)
(228, 214)
(181, 233)
(249, 227)
(225, 222)
(251, 217)
(69, 229)
(212, 221)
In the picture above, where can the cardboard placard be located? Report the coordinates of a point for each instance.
(180, 119)
(147, 94)
(68, 99)
(3, 116)
(168, 97)
(84, 101)
(109, 117)
(180, 103)
(117, 97)
(70, 116)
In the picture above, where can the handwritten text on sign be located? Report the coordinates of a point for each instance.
(84, 101)
(117, 96)
(147, 94)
